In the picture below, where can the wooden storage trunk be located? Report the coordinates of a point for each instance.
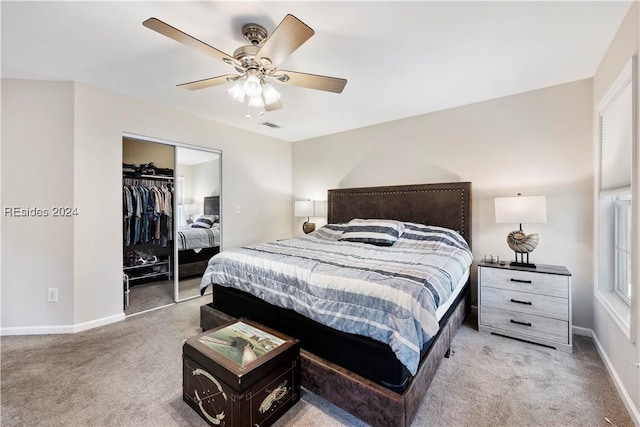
(241, 374)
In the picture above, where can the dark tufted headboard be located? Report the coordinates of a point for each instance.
(445, 205)
(212, 205)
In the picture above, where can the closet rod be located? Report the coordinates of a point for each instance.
(155, 177)
(170, 178)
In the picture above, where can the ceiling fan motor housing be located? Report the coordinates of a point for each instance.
(254, 33)
(246, 55)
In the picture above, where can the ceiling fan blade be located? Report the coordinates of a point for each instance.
(290, 34)
(184, 38)
(273, 106)
(213, 81)
(311, 81)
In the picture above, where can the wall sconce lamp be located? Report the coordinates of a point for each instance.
(519, 210)
(309, 208)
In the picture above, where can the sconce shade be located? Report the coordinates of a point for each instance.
(521, 209)
(190, 208)
(304, 208)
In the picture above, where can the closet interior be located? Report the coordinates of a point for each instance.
(148, 184)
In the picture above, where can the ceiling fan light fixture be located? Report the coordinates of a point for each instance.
(252, 86)
(255, 101)
(237, 91)
(269, 93)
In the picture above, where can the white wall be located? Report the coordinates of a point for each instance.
(537, 143)
(206, 180)
(82, 168)
(37, 172)
(617, 350)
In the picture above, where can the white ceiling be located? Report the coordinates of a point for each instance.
(401, 59)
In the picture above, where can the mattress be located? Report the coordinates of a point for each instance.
(198, 238)
(444, 308)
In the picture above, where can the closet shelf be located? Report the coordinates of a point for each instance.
(136, 272)
(145, 176)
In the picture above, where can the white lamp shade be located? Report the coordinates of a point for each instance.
(270, 94)
(237, 92)
(252, 86)
(255, 101)
(304, 208)
(521, 209)
(192, 209)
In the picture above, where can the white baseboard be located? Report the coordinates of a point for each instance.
(579, 330)
(633, 411)
(61, 329)
(98, 322)
(37, 330)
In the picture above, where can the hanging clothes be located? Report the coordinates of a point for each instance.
(147, 211)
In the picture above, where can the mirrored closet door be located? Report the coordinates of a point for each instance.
(197, 217)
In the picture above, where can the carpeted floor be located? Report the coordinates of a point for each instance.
(130, 374)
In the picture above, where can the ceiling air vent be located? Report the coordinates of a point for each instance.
(271, 125)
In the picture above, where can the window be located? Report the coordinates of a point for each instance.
(622, 248)
(616, 136)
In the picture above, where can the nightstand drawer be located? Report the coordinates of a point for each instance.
(524, 302)
(539, 283)
(539, 327)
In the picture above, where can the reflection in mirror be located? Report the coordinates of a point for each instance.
(197, 216)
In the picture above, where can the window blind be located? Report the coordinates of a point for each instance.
(616, 136)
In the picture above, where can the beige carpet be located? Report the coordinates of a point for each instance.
(129, 374)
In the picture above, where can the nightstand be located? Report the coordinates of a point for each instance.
(530, 304)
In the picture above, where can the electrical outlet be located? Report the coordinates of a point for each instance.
(52, 295)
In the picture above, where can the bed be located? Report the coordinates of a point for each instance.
(356, 372)
(196, 246)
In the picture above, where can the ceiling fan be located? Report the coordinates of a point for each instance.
(257, 63)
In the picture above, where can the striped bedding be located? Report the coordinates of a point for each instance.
(198, 238)
(388, 293)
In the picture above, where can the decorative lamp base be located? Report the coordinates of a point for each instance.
(522, 264)
(523, 261)
(308, 227)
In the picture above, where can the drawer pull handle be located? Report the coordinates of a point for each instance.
(521, 281)
(521, 302)
(521, 323)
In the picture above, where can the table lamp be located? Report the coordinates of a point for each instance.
(521, 210)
